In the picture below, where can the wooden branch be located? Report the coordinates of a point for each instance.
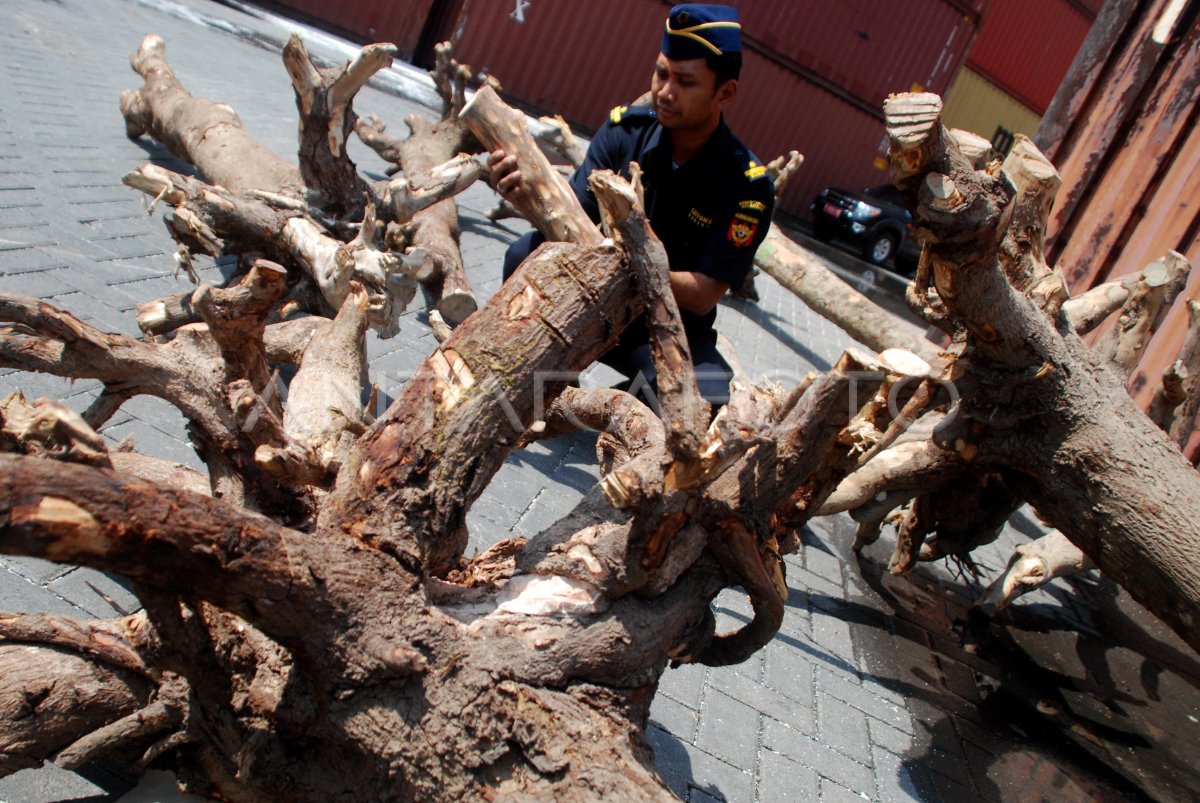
(116, 642)
(205, 134)
(450, 78)
(782, 168)
(1124, 343)
(1183, 420)
(761, 576)
(627, 427)
(325, 413)
(61, 344)
(166, 314)
(685, 412)
(325, 98)
(271, 576)
(891, 478)
(405, 197)
(49, 429)
(555, 134)
(470, 402)
(1088, 310)
(547, 201)
(292, 239)
(799, 271)
(434, 174)
(1059, 403)
(100, 743)
(1031, 566)
(1023, 249)
(237, 317)
(51, 697)
(437, 447)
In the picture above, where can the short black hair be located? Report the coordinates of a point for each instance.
(727, 67)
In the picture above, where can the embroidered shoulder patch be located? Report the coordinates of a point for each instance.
(757, 206)
(617, 113)
(742, 230)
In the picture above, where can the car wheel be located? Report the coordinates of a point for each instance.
(880, 247)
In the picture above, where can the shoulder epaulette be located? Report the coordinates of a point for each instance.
(754, 170)
(625, 114)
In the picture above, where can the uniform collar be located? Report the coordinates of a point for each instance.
(658, 144)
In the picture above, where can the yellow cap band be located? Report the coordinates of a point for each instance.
(690, 33)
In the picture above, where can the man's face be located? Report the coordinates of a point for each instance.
(684, 93)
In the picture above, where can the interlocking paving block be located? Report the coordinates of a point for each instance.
(871, 696)
(771, 703)
(844, 728)
(675, 717)
(781, 780)
(729, 730)
(20, 595)
(35, 570)
(812, 753)
(684, 684)
(96, 593)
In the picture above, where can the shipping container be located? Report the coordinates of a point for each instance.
(1025, 47)
(1126, 144)
(976, 104)
(397, 21)
(815, 77)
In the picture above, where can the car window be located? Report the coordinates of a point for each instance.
(886, 193)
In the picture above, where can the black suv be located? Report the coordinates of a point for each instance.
(873, 221)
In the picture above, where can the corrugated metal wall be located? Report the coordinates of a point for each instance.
(815, 78)
(1124, 139)
(1025, 47)
(397, 21)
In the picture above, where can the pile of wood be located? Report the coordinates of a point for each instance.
(311, 629)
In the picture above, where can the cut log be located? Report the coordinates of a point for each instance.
(1081, 451)
(827, 295)
(547, 200)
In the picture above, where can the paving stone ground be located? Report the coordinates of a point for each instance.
(863, 694)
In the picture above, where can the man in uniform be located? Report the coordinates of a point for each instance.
(708, 198)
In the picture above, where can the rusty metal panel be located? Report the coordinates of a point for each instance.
(397, 21)
(976, 104)
(1025, 47)
(1126, 179)
(1097, 123)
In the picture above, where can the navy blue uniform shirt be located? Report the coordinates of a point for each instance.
(711, 213)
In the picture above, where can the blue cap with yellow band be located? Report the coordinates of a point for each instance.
(696, 31)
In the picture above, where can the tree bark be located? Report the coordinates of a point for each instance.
(1034, 399)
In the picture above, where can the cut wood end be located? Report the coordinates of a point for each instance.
(856, 359)
(903, 361)
(75, 531)
(485, 94)
(1156, 274)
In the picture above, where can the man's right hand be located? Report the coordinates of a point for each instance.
(504, 175)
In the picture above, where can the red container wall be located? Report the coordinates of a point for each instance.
(396, 21)
(777, 111)
(1026, 46)
(815, 78)
(570, 58)
(868, 49)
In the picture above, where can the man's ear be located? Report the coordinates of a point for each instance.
(726, 92)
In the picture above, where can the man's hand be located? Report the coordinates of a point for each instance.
(504, 176)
